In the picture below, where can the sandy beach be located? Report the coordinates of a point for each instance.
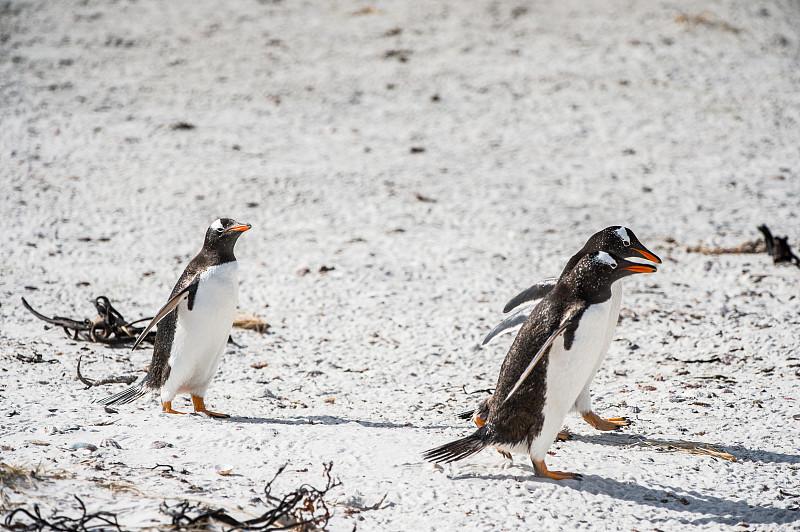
(407, 167)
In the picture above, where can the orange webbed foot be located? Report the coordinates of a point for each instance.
(563, 436)
(541, 471)
(166, 406)
(200, 408)
(611, 423)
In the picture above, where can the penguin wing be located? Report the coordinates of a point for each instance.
(561, 328)
(537, 291)
(509, 324)
(187, 293)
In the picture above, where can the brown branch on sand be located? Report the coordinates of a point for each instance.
(751, 246)
(707, 19)
(122, 379)
(247, 320)
(688, 447)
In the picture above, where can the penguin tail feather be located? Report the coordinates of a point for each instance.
(466, 415)
(460, 449)
(128, 395)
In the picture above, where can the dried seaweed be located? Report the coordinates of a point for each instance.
(688, 447)
(33, 520)
(245, 320)
(302, 509)
(110, 327)
(708, 20)
(751, 246)
(120, 379)
(778, 247)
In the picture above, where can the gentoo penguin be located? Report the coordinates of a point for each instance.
(550, 360)
(194, 325)
(615, 239)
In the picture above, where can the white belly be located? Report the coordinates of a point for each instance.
(569, 371)
(583, 403)
(202, 333)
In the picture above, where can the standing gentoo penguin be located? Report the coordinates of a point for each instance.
(615, 239)
(550, 360)
(194, 324)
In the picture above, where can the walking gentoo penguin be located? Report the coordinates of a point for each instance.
(194, 325)
(550, 360)
(615, 239)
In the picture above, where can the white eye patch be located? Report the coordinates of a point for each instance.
(216, 225)
(605, 258)
(622, 233)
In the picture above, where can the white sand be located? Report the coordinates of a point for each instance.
(541, 123)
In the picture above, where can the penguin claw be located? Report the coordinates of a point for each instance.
(563, 436)
(506, 454)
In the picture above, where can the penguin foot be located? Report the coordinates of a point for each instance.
(166, 406)
(563, 436)
(200, 408)
(610, 423)
(541, 471)
(506, 454)
(479, 421)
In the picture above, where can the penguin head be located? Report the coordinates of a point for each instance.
(622, 242)
(597, 271)
(222, 235)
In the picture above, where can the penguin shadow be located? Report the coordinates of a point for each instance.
(331, 420)
(740, 452)
(709, 509)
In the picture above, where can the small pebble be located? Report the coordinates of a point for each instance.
(635, 409)
(160, 445)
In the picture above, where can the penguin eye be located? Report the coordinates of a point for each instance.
(219, 230)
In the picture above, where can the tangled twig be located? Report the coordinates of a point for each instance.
(83, 523)
(304, 507)
(109, 328)
(778, 247)
(121, 379)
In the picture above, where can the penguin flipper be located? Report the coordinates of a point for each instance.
(564, 323)
(537, 291)
(509, 324)
(187, 292)
(460, 449)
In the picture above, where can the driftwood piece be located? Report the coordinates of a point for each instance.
(121, 379)
(751, 246)
(778, 247)
(110, 327)
(246, 320)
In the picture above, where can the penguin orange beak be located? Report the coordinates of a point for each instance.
(647, 255)
(243, 227)
(640, 268)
